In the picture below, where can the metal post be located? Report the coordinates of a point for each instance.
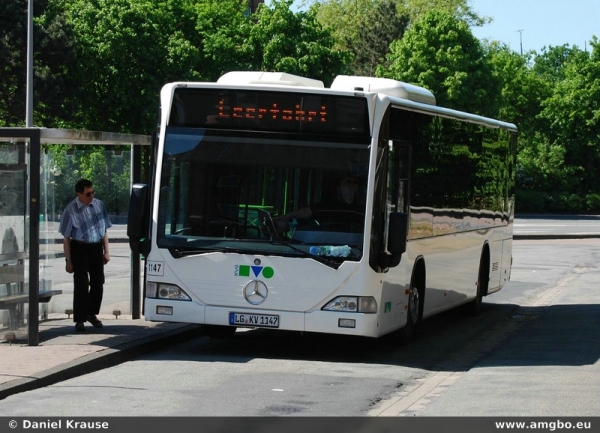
(34, 236)
(29, 90)
(135, 257)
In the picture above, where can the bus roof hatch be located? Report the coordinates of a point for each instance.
(385, 86)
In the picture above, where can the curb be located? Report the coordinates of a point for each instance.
(555, 237)
(100, 360)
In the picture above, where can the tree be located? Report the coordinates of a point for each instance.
(284, 41)
(13, 31)
(109, 173)
(55, 85)
(550, 63)
(126, 51)
(375, 35)
(440, 53)
(559, 150)
(540, 168)
(221, 29)
(343, 18)
(367, 27)
(572, 114)
(53, 64)
(521, 89)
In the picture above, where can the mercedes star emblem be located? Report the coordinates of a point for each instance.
(256, 292)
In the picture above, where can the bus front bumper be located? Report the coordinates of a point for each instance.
(329, 322)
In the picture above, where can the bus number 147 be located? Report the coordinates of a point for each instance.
(155, 268)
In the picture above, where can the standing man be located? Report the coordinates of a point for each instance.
(83, 224)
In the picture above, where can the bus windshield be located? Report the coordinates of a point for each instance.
(261, 193)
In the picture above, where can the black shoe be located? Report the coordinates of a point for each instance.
(79, 327)
(94, 321)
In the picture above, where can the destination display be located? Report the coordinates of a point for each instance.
(274, 111)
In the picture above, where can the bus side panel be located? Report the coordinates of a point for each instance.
(451, 266)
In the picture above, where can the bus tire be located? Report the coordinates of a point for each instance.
(415, 304)
(473, 308)
(216, 331)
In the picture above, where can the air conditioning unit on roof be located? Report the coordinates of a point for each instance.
(276, 78)
(385, 86)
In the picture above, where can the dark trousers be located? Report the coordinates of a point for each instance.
(88, 279)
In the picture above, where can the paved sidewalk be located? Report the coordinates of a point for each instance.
(63, 354)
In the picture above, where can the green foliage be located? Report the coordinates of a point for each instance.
(521, 89)
(569, 124)
(573, 117)
(221, 28)
(109, 173)
(53, 66)
(460, 9)
(126, 51)
(375, 35)
(347, 19)
(440, 53)
(344, 18)
(284, 41)
(13, 31)
(550, 63)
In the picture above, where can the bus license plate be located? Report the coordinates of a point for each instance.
(256, 320)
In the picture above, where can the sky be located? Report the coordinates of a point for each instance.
(543, 22)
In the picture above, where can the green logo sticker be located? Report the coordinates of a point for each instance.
(247, 271)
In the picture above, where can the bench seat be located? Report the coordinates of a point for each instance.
(11, 303)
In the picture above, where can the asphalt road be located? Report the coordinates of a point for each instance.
(559, 226)
(533, 352)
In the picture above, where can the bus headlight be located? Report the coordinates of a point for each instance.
(166, 291)
(151, 289)
(352, 304)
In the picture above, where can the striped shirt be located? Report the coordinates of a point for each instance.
(85, 223)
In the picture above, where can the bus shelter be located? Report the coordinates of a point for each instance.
(28, 177)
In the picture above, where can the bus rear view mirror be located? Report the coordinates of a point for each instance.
(138, 216)
(398, 230)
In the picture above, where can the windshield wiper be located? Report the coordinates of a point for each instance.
(179, 252)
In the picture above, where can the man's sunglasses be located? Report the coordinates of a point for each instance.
(89, 194)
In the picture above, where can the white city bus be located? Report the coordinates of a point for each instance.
(359, 209)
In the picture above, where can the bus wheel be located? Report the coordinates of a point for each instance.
(215, 331)
(414, 311)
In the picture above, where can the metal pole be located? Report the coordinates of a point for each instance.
(29, 102)
(135, 257)
(34, 237)
(521, 39)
